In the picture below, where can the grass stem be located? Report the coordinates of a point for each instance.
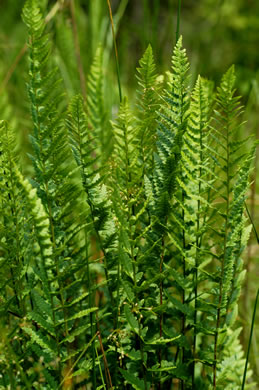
(23, 50)
(178, 20)
(107, 371)
(77, 360)
(115, 50)
(250, 340)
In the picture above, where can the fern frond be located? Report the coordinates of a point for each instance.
(147, 104)
(125, 153)
(233, 189)
(97, 117)
(82, 146)
(12, 225)
(172, 126)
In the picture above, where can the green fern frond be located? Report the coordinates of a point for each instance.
(232, 187)
(12, 225)
(82, 145)
(172, 126)
(147, 104)
(97, 116)
(125, 153)
(40, 221)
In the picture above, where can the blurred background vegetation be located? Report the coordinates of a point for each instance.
(216, 33)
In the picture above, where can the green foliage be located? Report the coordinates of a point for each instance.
(148, 104)
(121, 255)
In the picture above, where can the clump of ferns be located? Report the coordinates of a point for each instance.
(123, 250)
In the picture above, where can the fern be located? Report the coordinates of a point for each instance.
(170, 133)
(148, 104)
(97, 115)
(231, 154)
(91, 179)
(121, 252)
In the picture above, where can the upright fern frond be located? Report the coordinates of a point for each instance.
(232, 186)
(161, 190)
(41, 224)
(47, 138)
(30, 254)
(58, 186)
(53, 172)
(148, 104)
(172, 126)
(82, 145)
(197, 181)
(12, 227)
(125, 152)
(97, 117)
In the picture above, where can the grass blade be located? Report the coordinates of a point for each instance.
(250, 340)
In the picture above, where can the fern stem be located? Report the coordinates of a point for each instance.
(198, 244)
(93, 352)
(115, 51)
(161, 302)
(100, 369)
(184, 245)
(198, 241)
(107, 371)
(77, 360)
(250, 340)
(77, 49)
(224, 257)
(117, 316)
(56, 260)
(144, 371)
(16, 293)
(161, 284)
(131, 212)
(101, 246)
(53, 315)
(183, 296)
(178, 20)
(90, 304)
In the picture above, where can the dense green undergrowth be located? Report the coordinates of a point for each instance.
(121, 254)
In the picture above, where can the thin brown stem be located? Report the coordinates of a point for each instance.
(13, 67)
(23, 50)
(107, 371)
